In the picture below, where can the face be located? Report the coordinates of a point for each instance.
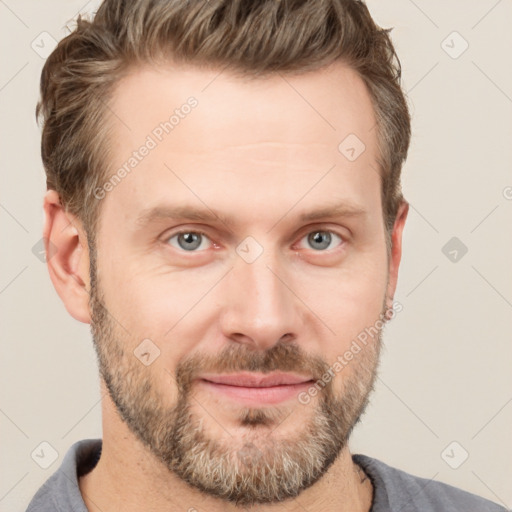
(237, 261)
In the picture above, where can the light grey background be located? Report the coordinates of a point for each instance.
(445, 374)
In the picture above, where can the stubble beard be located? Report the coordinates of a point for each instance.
(262, 467)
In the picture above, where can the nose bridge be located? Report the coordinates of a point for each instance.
(266, 291)
(260, 307)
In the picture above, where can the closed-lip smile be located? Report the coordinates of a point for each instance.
(256, 388)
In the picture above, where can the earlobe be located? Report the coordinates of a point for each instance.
(67, 257)
(396, 250)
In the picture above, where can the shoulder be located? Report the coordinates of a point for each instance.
(61, 491)
(395, 489)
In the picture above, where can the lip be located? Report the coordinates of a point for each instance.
(256, 380)
(256, 388)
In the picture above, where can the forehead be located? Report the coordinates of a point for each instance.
(208, 136)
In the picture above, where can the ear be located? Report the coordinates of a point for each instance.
(396, 250)
(67, 257)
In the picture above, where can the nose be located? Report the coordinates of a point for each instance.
(261, 308)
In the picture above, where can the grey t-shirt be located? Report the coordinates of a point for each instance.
(394, 490)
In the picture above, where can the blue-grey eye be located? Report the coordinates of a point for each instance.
(188, 240)
(321, 240)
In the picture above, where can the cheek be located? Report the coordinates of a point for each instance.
(154, 311)
(142, 297)
(348, 300)
(163, 309)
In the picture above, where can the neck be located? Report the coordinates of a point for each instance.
(129, 477)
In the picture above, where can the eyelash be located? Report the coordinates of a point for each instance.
(203, 234)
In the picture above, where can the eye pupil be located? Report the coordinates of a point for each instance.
(189, 238)
(320, 237)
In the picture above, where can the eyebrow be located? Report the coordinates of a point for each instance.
(168, 212)
(336, 210)
(165, 212)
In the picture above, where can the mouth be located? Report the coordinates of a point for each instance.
(254, 388)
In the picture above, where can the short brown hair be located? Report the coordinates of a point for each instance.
(249, 37)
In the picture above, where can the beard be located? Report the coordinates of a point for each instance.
(256, 468)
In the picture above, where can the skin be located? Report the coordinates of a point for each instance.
(258, 153)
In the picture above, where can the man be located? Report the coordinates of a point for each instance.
(269, 138)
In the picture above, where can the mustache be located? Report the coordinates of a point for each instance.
(284, 357)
